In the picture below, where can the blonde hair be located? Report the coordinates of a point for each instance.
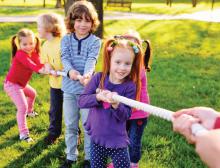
(77, 10)
(24, 33)
(52, 23)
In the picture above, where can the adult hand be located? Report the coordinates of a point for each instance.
(182, 124)
(207, 116)
(208, 147)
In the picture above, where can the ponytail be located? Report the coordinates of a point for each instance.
(37, 46)
(13, 46)
(148, 56)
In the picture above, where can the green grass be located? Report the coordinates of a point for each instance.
(185, 73)
(33, 7)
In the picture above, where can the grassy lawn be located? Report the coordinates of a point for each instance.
(185, 73)
(33, 7)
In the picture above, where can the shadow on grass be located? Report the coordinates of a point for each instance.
(6, 126)
(34, 151)
(9, 143)
(143, 26)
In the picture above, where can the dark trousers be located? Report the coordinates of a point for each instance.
(55, 114)
(135, 129)
(99, 155)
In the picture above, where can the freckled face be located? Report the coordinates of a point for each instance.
(121, 64)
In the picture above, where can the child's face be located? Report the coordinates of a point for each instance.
(121, 64)
(82, 27)
(27, 44)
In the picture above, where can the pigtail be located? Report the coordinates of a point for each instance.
(13, 46)
(37, 46)
(148, 56)
(107, 49)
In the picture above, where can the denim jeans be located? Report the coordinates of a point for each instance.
(71, 118)
(135, 129)
(56, 109)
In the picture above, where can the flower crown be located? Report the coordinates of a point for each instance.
(115, 42)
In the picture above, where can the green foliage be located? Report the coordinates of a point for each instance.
(34, 7)
(185, 73)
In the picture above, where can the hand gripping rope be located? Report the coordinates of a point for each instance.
(197, 129)
(60, 73)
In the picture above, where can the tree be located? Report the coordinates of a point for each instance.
(58, 4)
(44, 3)
(213, 2)
(99, 7)
(194, 3)
(169, 2)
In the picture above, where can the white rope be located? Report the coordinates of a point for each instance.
(159, 112)
(60, 73)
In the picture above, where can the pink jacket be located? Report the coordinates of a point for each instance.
(144, 97)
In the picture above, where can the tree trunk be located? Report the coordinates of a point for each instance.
(213, 2)
(68, 4)
(169, 2)
(99, 7)
(44, 3)
(58, 4)
(194, 3)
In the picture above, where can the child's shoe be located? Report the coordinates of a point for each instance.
(68, 163)
(134, 165)
(32, 114)
(86, 164)
(110, 165)
(26, 138)
(50, 139)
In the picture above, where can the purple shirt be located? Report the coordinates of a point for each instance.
(107, 127)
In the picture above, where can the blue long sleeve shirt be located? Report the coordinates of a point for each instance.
(80, 55)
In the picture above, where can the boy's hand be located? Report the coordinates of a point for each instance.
(84, 80)
(73, 74)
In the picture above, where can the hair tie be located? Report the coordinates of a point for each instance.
(134, 47)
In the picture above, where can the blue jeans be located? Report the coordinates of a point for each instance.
(135, 129)
(55, 114)
(71, 118)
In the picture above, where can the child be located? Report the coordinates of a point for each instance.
(25, 61)
(79, 53)
(51, 27)
(138, 119)
(107, 118)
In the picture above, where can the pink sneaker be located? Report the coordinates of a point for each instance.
(110, 165)
(134, 165)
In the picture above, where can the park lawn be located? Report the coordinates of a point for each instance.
(34, 7)
(185, 73)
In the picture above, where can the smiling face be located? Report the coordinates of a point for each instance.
(27, 44)
(121, 64)
(82, 27)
